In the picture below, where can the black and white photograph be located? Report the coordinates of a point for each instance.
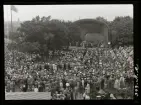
(69, 52)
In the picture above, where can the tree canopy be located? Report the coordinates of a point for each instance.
(42, 34)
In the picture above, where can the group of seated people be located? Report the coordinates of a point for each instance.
(76, 74)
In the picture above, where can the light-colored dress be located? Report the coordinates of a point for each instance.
(122, 83)
(35, 89)
(88, 90)
(117, 84)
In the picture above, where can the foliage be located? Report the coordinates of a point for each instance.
(122, 30)
(28, 47)
(42, 34)
(74, 33)
(102, 19)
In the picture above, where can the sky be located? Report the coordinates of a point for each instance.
(68, 12)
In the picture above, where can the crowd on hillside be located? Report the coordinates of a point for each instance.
(99, 73)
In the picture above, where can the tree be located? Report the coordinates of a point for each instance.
(49, 34)
(74, 32)
(28, 47)
(122, 30)
(102, 19)
(15, 39)
(12, 46)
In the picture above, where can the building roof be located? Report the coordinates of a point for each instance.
(92, 30)
(81, 21)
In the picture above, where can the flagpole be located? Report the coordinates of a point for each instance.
(11, 20)
(7, 28)
(12, 31)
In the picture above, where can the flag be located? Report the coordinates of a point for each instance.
(13, 8)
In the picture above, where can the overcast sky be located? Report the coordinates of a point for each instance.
(68, 12)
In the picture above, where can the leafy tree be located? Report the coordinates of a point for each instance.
(74, 32)
(12, 46)
(42, 34)
(102, 19)
(122, 30)
(28, 47)
(50, 34)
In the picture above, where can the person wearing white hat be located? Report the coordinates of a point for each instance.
(67, 84)
(65, 73)
(67, 92)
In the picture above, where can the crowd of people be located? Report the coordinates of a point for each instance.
(98, 73)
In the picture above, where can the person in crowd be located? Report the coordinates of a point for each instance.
(40, 87)
(67, 92)
(24, 88)
(122, 82)
(102, 82)
(8, 87)
(87, 88)
(62, 96)
(86, 96)
(30, 82)
(112, 96)
(61, 86)
(117, 83)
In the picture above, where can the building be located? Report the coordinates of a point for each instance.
(93, 31)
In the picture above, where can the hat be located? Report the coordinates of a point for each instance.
(67, 84)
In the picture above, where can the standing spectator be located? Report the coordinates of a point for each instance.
(122, 83)
(62, 96)
(36, 89)
(102, 83)
(86, 96)
(40, 86)
(87, 88)
(8, 86)
(12, 89)
(64, 83)
(30, 82)
(67, 92)
(24, 88)
(117, 84)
